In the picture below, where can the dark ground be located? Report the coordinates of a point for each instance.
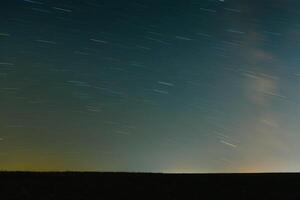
(73, 185)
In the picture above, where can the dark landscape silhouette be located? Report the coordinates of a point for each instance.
(96, 185)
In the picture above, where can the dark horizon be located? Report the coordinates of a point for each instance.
(141, 172)
(148, 186)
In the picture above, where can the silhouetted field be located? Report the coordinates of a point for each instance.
(90, 185)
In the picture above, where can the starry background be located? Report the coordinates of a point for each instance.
(150, 86)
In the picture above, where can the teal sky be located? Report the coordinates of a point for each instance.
(200, 86)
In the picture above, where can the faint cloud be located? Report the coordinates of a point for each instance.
(262, 55)
(261, 88)
(269, 121)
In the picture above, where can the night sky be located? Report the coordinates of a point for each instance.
(150, 86)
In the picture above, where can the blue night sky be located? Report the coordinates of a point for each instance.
(150, 86)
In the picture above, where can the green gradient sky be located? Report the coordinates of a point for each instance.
(159, 86)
